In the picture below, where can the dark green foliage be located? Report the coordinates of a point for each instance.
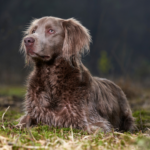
(104, 63)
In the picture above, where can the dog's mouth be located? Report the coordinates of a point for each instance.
(42, 56)
(33, 54)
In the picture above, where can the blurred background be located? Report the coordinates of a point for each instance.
(120, 32)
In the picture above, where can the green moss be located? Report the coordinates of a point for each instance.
(142, 119)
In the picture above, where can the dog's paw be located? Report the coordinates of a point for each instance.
(26, 121)
(103, 126)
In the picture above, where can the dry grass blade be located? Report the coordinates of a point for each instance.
(34, 147)
(3, 118)
(71, 134)
(4, 144)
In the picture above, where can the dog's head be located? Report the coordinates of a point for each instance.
(49, 37)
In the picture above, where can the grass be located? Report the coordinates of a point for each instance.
(45, 137)
(142, 119)
(12, 90)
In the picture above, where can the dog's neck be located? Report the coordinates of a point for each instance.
(53, 69)
(71, 63)
(50, 73)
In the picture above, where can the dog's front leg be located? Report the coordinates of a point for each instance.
(27, 121)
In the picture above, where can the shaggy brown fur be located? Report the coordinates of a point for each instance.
(61, 91)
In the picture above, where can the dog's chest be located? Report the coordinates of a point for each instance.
(56, 96)
(57, 112)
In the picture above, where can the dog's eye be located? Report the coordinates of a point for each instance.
(33, 31)
(51, 31)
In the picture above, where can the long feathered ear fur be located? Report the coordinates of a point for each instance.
(77, 39)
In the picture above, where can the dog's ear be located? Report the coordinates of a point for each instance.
(77, 38)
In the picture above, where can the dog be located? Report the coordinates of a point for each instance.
(61, 92)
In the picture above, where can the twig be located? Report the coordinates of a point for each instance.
(31, 135)
(3, 118)
(141, 123)
(17, 139)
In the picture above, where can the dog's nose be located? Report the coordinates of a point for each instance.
(29, 41)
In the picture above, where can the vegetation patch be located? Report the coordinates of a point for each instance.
(12, 91)
(45, 137)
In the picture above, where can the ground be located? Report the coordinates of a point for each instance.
(44, 137)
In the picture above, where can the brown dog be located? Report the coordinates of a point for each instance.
(61, 91)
